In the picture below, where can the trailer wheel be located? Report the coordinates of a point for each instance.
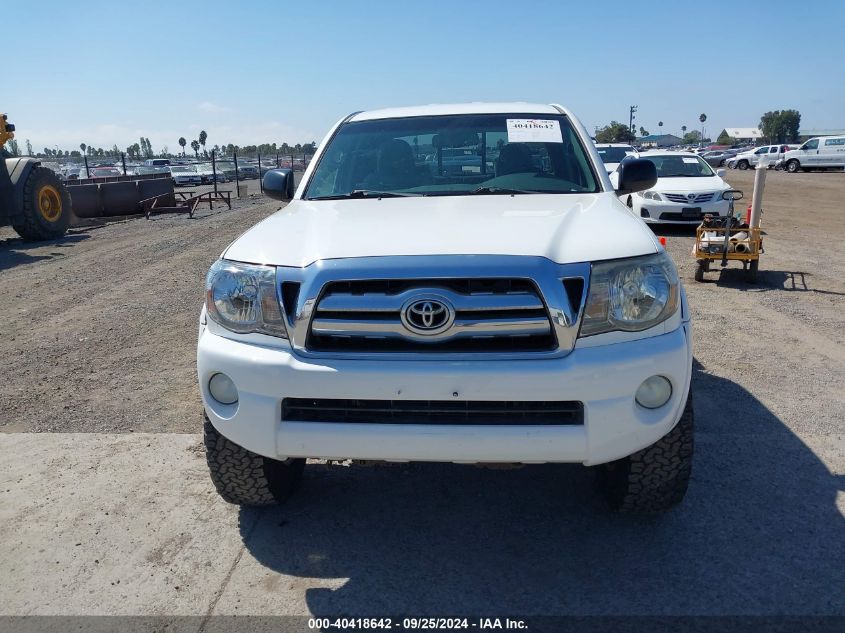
(751, 273)
(654, 479)
(45, 214)
(700, 269)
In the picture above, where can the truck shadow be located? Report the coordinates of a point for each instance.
(758, 533)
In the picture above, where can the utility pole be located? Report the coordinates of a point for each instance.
(631, 111)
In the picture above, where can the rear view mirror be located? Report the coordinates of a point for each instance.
(732, 194)
(278, 184)
(636, 175)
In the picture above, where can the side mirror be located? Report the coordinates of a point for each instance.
(732, 194)
(278, 184)
(721, 173)
(636, 175)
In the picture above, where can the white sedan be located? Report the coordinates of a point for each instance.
(687, 189)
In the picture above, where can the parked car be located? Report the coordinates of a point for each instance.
(248, 172)
(686, 190)
(206, 172)
(612, 154)
(823, 152)
(718, 158)
(770, 153)
(101, 172)
(185, 175)
(158, 162)
(389, 313)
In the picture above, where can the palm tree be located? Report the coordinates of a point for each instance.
(183, 142)
(203, 138)
(195, 145)
(82, 146)
(684, 129)
(702, 117)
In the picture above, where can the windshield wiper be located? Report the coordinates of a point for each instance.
(369, 193)
(498, 190)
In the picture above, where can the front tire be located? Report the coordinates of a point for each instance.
(743, 165)
(46, 207)
(655, 478)
(793, 166)
(246, 478)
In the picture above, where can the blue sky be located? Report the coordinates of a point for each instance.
(264, 71)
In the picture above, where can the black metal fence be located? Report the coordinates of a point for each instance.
(218, 169)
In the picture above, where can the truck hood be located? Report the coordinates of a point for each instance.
(562, 228)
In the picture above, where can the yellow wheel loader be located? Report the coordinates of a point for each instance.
(33, 199)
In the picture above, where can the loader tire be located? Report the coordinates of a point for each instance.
(655, 478)
(245, 478)
(46, 210)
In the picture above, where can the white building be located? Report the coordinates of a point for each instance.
(743, 134)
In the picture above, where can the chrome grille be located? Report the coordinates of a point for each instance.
(490, 315)
(683, 199)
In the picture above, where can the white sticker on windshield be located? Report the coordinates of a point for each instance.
(691, 161)
(534, 131)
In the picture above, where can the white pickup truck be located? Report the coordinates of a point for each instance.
(509, 309)
(770, 153)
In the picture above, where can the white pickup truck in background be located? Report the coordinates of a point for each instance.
(770, 153)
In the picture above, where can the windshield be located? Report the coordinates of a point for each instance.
(452, 156)
(612, 154)
(182, 169)
(672, 166)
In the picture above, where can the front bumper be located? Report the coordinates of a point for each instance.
(603, 377)
(666, 212)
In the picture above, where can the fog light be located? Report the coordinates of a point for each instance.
(654, 392)
(223, 389)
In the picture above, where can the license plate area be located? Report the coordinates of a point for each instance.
(691, 213)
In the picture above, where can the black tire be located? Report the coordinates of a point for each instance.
(246, 478)
(722, 163)
(743, 165)
(793, 166)
(35, 221)
(751, 273)
(700, 269)
(656, 478)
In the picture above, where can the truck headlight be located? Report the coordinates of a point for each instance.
(651, 195)
(242, 298)
(631, 294)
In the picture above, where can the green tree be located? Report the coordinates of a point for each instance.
(781, 126)
(12, 147)
(203, 138)
(83, 147)
(724, 139)
(182, 143)
(615, 132)
(702, 117)
(195, 145)
(28, 148)
(643, 131)
(692, 137)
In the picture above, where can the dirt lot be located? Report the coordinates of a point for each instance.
(98, 336)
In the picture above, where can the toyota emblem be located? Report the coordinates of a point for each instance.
(427, 315)
(690, 196)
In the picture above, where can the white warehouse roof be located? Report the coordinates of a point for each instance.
(744, 132)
